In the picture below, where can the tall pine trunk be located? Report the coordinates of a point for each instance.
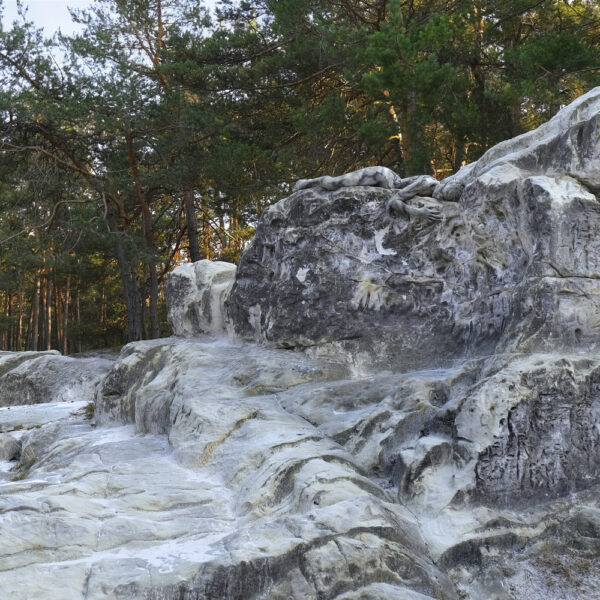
(34, 322)
(129, 280)
(192, 227)
(78, 317)
(19, 345)
(148, 237)
(4, 337)
(65, 347)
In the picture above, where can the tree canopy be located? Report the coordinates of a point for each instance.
(161, 132)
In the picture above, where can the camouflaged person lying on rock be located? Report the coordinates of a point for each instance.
(410, 188)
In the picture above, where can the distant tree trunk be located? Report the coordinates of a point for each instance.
(58, 315)
(11, 331)
(44, 301)
(192, 227)
(154, 322)
(29, 339)
(148, 237)
(129, 280)
(78, 317)
(65, 348)
(102, 306)
(206, 236)
(4, 337)
(35, 315)
(132, 295)
(49, 315)
(19, 345)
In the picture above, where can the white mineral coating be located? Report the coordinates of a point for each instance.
(513, 266)
(39, 377)
(196, 293)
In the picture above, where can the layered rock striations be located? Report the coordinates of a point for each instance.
(213, 491)
(438, 437)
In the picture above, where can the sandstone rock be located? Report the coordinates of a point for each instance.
(512, 267)
(195, 296)
(10, 448)
(39, 377)
(567, 145)
(496, 458)
(252, 472)
(245, 500)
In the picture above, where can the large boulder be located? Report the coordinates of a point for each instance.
(196, 293)
(512, 266)
(41, 377)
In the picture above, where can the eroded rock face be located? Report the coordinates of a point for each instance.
(512, 267)
(497, 459)
(38, 377)
(241, 472)
(196, 293)
(241, 499)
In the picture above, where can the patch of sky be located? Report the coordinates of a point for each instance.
(52, 15)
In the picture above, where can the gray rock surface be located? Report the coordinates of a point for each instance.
(513, 266)
(496, 459)
(243, 472)
(10, 448)
(239, 499)
(39, 377)
(195, 294)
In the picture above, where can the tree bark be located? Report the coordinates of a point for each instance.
(148, 236)
(35, 313)
(11, 331)
(78, 317)
(192, 227)
(65, 348)
(129, 280)
(58, 315)
(4, 337)
(19, 345)
(47, 313)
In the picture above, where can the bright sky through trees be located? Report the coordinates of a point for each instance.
(49, 14)
(52, 14)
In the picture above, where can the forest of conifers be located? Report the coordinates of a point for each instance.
(159, 133)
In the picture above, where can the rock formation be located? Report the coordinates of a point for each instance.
(197, 292)
(37, 377)
(513, 266)
(419, 420)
